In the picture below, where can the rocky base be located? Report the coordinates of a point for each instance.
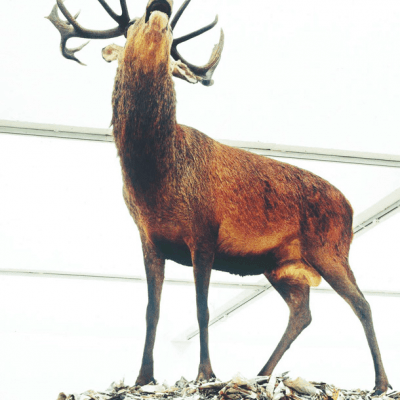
(260, 388)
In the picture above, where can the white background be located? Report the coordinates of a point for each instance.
(310, 73)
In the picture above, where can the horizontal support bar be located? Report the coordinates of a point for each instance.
(317, 154)
(55, 131)
(265, 149)
(257, 288)
(120, 278)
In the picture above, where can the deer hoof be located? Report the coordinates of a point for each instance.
(143, 380)
(205, 376)
(381, 388)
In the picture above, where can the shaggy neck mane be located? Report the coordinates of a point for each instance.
(144, 119)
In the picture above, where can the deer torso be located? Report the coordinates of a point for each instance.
(183, 188)
(180, 185)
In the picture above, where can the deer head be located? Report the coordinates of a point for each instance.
(154, 22)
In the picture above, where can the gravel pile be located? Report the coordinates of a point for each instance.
(260, 388)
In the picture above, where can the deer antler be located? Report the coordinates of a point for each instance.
(71, 28)
(204, 72)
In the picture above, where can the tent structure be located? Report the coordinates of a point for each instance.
(296, 81)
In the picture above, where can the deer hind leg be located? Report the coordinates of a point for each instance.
(155, 267)
(202, 265)
(341, 278)
(295, 292)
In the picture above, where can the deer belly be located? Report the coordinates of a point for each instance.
(274, 250)
(235, 240)
(244, 265)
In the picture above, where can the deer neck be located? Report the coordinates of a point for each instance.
(144, 119)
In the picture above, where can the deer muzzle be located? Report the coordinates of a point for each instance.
(158, 21)
(163, 6)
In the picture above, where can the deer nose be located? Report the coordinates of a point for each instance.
(164, 6)
(158, 21)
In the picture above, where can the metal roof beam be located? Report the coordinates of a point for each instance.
(265, 149)
(121, 278)
(317, 154)
(379, 212)
(55, 131)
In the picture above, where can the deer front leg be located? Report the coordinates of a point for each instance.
(155, 267)
(202, 265)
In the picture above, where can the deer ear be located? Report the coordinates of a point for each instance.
(112, 52)
(180, 70)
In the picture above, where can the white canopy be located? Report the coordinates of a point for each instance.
(300, 74)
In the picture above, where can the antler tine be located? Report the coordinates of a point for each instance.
(179, 13)
(195, 33)
(75, 16)
(66, 32)
(71, 28)
(206, 71)
(124, 9)
(70, 53)
(109, 11)
(72, 21)
(120, 19)
(82, 32)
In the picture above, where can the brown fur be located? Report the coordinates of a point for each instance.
(201, 203)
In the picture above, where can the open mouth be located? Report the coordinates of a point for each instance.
(158, 5)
